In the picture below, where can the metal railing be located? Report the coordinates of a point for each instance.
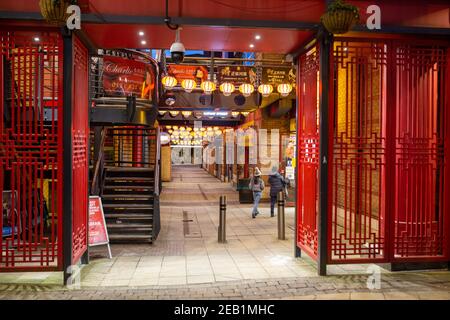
(97, 180)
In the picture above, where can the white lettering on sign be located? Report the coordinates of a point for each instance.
(374, 20)
(74, 20)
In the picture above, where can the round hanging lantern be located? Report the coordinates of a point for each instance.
(174, 113)
(265, 90)
(55, 11)
(208, 87)
(340, 17)
(188, 85)
(246, 89)
(186, 114)
(284, 89)
(198, 115)
(169, 82)
(227, 88)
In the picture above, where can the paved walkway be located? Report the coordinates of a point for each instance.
(186, 261)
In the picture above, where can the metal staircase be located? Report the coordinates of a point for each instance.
(126, 177)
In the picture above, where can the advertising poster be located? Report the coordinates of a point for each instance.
(124, 77)
(97, 227)
(278, 75)
(181, 72)
(237, 75)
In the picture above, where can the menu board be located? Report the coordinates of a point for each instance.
(237, 75)
(124, 77)
(278, 75)
(98, 234)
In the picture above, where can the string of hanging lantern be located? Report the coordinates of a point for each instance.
(227, 88)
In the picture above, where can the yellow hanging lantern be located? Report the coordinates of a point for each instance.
(208, 87)
(234, 114)
(169, 82)
(284, 89)
(245, 113)
(162, 112)
(174, 113)
(186, 114)
(227, 88)
(188, 85)
(246, 89)
(265, 89)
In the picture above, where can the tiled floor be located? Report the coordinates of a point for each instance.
(187, 250)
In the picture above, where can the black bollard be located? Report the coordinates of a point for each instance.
(222, 219)
(281, 220)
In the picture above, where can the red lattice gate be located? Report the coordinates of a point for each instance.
(308, 152)
(390, 152)
(30, 151)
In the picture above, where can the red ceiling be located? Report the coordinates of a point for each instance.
(197, 38)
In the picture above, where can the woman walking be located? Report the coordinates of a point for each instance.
(256, 186)
(277, 184)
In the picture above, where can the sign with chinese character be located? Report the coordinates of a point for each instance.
(278, 75)
(237, 75)
(98, 234)
(181, 72)
(124, 77)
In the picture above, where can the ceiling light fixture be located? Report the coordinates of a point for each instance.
(141, 33)
(186, 114)
(143, 42)
(258, 37)
(251, 45)
(37, 39)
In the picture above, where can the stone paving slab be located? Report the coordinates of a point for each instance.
(434, 285)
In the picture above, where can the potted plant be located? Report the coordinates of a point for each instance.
(55, 11)
(340, 17)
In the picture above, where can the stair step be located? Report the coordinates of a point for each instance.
(130, 178)
(113, 187)
(127, 196)
(128, 169)
(128, 206)
(127, 226)
(130, 237)
(128, 216)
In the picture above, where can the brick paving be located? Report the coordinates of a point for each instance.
(408, 285)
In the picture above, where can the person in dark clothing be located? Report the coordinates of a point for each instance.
(277, 183)
(256, 186)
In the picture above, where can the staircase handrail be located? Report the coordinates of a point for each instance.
(95, 187)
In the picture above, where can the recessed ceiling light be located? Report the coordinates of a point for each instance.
(143, 42)
(141, 33)
(252, 45)
(36, 39)
(257, 37)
